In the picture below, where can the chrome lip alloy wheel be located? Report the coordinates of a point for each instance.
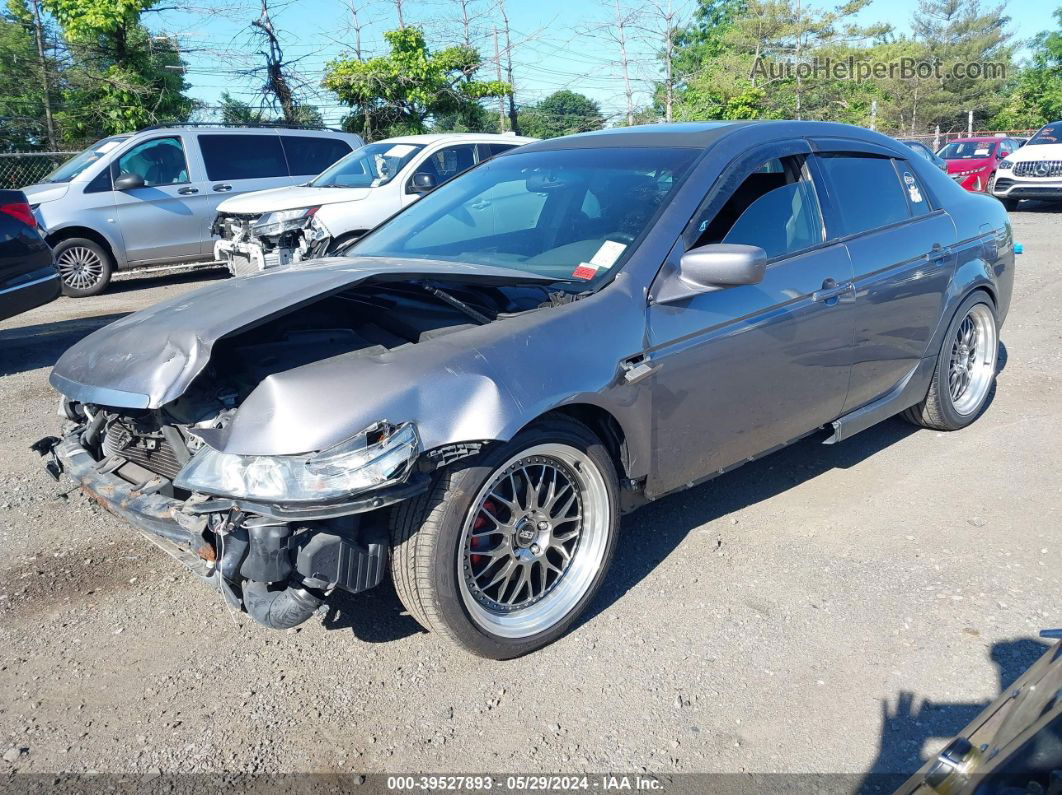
(79, 267)
(533, 541)
(972, 363)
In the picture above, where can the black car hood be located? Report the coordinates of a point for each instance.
(149, 358)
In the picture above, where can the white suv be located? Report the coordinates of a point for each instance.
(1032, 172)
(274, 228)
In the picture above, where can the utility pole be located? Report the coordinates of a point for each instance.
(38, 32)
(514, 123)
(398, 8)
(501, 99)
(621, 40)
(969, 123)
(873, 114)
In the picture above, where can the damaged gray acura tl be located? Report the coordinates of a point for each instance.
(476, 394)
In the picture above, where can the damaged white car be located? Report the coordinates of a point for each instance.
(279, 227)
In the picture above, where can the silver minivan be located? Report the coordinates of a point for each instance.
(149, 197)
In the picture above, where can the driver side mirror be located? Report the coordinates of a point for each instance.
(129, 182)
(421, 183)
(713, 267)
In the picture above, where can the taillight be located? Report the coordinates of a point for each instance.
(20, 211)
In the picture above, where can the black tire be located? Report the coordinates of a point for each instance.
(338, 247)
(427, 537)
(938, 410)
(85, 266)
(1010, 205)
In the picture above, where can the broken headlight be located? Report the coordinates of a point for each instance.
(379, 456)
(281, 221)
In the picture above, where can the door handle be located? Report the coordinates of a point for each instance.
(186, 191)
(831, 291)
(938, 252)
(482, 204)
(221, 187)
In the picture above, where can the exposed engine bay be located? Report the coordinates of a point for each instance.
(277, 560)
(251, 243)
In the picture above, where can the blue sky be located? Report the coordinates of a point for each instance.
(554, 44)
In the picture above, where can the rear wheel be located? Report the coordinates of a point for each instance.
(505, 552)
(966, 369)
(85, 267)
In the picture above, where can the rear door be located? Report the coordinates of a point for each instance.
(901, 247)
(237, 162)
(158, 221)
(309, 155)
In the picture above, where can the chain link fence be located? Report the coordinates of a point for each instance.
(936, 140)
(18, 169)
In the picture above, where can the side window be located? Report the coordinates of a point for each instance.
(243, 156)
(775, 208)
(159, 161)
(489, 150)
(504, 208)
(447, 163)
(866, 191)
(916, 194)
(310, 156)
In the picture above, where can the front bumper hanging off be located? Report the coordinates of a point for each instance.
(276, 563)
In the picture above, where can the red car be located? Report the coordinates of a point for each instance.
(972, 161)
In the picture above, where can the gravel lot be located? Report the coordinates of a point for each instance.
(827, 609)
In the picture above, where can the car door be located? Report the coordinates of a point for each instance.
(442, 164)
(158, 221)
(901, 247)
(233, 163)
(741, 370)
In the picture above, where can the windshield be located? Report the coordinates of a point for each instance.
(968, 150)
(571, 215)
(1049, 134)
(75, 165)
(368, 167)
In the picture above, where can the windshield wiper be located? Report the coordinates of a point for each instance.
(455, 302)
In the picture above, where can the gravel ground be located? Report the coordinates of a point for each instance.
(827, 609)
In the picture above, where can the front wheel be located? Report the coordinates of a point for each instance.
(966, 369)
(85, 267)
(503, 553)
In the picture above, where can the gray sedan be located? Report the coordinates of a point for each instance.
(495, 375)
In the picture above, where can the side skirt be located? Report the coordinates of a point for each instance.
(905, 394)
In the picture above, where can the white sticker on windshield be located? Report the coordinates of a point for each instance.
(607, 255)
(108, 147)
(399, 150)
(981, 152)
(912, 188)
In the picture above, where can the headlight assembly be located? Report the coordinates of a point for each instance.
(381, 455)
(1005, 165)
(282, 221)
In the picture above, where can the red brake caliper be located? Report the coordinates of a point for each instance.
(479, 541)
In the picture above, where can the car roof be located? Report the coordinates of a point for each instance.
(431, 138)
(193, 128)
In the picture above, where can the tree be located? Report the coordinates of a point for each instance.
(957, 33)
(28, 14)
(22, 105)
(236, 111)
(561, 113)
(121, 77)
(404, 91)
(1035, 94)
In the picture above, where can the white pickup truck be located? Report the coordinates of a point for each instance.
(273, 228)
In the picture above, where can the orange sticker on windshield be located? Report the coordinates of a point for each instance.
(584, 271)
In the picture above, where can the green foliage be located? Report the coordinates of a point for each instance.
(21, 101)
(561, 113)
(235, 111)
(400, 93)
(86, 19)
(1034, 97)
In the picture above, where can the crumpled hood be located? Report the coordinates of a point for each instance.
(268, 201)
(1037, 152)
(149, 358)
(38, 194)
